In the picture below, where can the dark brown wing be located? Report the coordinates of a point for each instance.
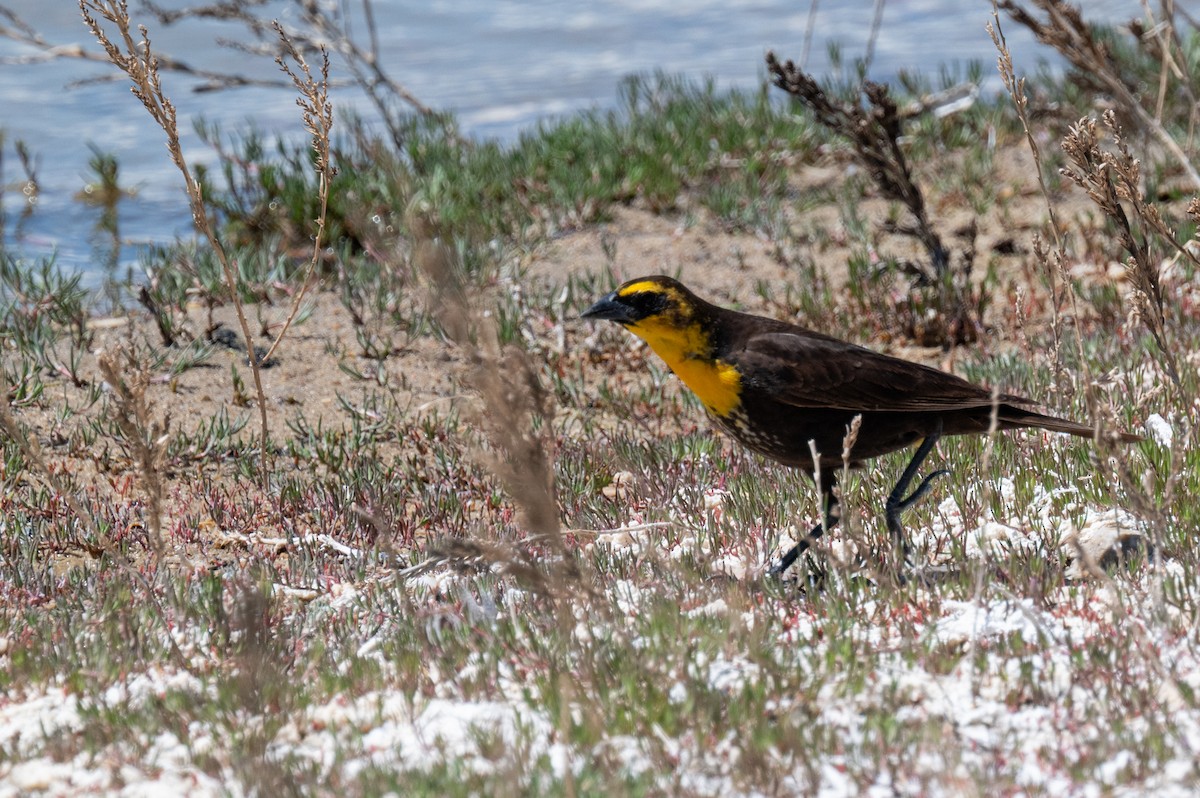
(806, 370)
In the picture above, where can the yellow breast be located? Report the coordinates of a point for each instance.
(716, 383)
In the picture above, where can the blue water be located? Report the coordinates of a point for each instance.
(500, 66)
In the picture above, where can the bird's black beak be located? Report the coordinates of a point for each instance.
(610, 308)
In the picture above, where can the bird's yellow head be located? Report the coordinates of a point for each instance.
(681, 329)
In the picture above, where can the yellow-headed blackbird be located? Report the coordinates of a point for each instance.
(775, 387)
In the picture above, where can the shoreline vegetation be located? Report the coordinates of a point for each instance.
(343, 498)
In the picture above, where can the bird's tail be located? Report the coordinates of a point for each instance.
(1018, 417)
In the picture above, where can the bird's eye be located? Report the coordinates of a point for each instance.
(648, 303)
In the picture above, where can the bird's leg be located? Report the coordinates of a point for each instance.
(829, 505)
(897, 502)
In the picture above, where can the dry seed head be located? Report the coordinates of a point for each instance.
(1193, 212)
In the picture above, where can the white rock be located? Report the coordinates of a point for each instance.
(1103, 538)
(1160, 431)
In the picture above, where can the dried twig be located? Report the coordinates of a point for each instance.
(19, 30)
(942, 307)
(1065, 30)
(874, 133)
(323, 26)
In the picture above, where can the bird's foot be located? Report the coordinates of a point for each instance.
(896, 504)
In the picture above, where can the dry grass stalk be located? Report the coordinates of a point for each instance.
(136, 59)
(516, 420)
(144, 435)
(1065, 30)
(853, 531)
(1054, 263)
(1110, 178)
(1161, 40)
(318, 121)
